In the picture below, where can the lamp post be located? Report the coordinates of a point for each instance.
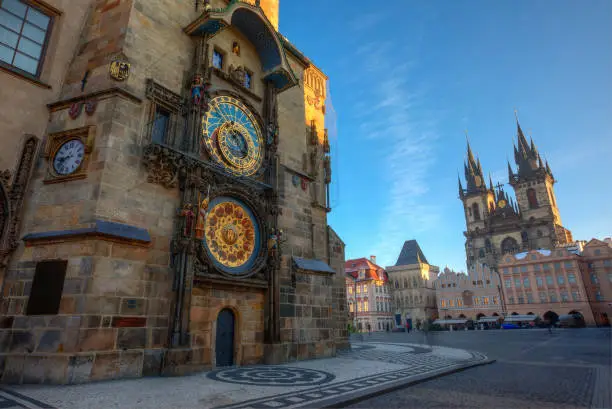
(500, 292)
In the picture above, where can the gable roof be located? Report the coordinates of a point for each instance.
(373, 271)
(411, 254)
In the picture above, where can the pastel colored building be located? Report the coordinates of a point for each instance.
(469, 296)
(547, 283)
(368, 295)
(597, 278)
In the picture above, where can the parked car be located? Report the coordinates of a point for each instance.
(510, 326)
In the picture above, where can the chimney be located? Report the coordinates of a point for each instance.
(373, 259)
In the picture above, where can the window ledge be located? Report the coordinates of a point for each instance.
(22, 75)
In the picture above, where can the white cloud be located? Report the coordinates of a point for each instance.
(400, 124)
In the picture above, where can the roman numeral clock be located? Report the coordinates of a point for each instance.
(67, 154)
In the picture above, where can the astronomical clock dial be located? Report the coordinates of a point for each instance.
(68, 157)
(232, 136)
(232, 236)
(501, 203)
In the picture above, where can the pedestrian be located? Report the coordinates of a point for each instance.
(550, 328)
(369, 329)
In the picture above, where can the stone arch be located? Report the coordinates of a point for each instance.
(480, 315)
(448, 317)
(462, 316)
(514, 313)
(237, 345)
(252, 23)
(532, 198)
(551, 316)
(509, 246)
(495, 314)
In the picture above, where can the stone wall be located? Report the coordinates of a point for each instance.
(248, 307)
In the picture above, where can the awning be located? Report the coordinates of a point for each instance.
(519, 318)
(312, 265)
(443, 322)
(489, 319)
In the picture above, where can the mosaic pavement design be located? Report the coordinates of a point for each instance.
(419, 362)
(14, 400)
(272, 376)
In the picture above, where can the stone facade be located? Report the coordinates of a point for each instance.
(496, 224)
(140, 293)
(471, 296)
(412, 290)
(368, 292)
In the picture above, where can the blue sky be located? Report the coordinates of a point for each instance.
(407, 78)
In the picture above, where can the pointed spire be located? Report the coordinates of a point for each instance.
(540, 164)
(490, 183)
(460, 186)
(523, 146)
(548, 169)
(510, 172)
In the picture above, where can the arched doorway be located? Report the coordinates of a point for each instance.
(551, 316)
(224, 343)
(578, 313)
(461, 316)
(448, 317)
(479, 316)
(514, 313)
(509, 246)
(495, 314)
(530, 313)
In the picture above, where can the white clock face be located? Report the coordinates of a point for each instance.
(68, 157)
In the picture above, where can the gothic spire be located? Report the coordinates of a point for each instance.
(491, 183)
(548, 169)
(510, 172)
(523, 147)
(460, 186)
(473, 171)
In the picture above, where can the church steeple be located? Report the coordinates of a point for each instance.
(526, 156)
(473, 172)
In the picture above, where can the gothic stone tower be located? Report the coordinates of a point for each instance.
(495, 223)
(177, 218)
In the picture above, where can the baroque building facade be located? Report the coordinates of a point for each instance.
(565, 280)
(175, 219)
(368, 293)
(495, 223)
(412, 290)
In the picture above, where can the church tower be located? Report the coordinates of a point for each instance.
(477, 198)
(533, 185)
(478, 203)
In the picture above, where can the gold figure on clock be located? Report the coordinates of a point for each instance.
(232, 136)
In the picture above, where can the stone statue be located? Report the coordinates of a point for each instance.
(202, 210)
(188, 215)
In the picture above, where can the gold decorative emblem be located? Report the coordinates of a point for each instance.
(120, 68)
(230, 234)
(501, 203)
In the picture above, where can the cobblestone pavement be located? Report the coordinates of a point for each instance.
(368, 368)
(568, 369)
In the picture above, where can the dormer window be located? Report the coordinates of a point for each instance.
(217, 59)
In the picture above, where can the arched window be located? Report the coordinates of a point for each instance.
(532, 198)
(396, 284)
(509, 246)
(488, 245)
(481, 253)
(524, 236)
(405, 282)
(475, 211)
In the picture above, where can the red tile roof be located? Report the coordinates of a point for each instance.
(373, 271)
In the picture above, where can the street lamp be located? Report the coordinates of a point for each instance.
(499, 290)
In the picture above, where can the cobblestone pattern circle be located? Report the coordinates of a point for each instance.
(272, 376)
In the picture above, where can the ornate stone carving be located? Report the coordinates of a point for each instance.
(163, 96)
(162, 165)
(13, 197)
